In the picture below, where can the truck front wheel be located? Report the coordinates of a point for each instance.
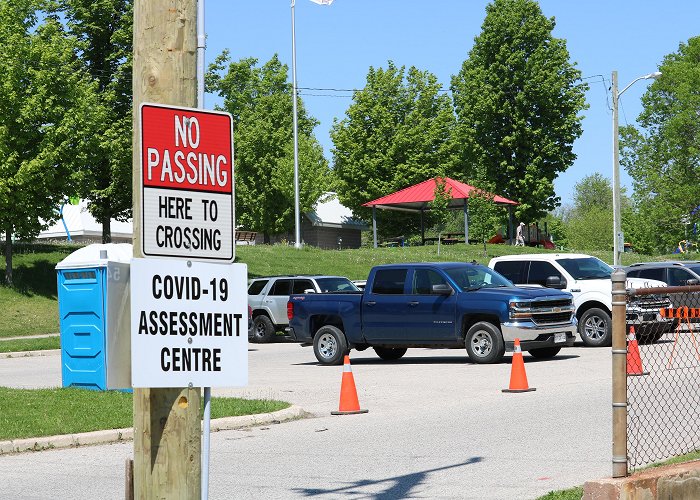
(330, 345)
(595, 328)
(484, 343)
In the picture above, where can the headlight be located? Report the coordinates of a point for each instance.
(519, 310)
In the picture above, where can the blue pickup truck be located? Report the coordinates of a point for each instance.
(450, 305)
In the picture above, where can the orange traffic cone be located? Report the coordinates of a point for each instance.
(634, 360)
(349, 404)
(518, 378)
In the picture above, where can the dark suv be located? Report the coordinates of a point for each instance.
(673, 273)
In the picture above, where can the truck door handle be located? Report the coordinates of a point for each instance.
(370, 302)
(413, 303)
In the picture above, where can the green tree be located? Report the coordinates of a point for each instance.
(590, 230)
(395, 133)
(48, 115)
(592, 191)
(662, 156)
(589, 222)
(518, 99)
(485, 217)
(103, 29)
(260, 101)
(439, 208)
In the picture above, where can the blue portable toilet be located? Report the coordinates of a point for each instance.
(94, 313)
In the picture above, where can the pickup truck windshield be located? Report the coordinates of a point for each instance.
(470, 277)
(588, 268)
(336, 285)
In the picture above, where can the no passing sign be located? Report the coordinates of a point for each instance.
(187, 183)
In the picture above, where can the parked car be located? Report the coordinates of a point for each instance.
(360, 284)
(436, 305)
(268, 299)
(672, 273)
(588, 280)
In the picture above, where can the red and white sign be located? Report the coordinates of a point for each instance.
(187, 183)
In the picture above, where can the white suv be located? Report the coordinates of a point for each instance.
(268, 298)
(587, 278)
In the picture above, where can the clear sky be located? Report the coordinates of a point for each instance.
(337, 44)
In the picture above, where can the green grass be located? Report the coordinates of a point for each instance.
(20, 345)
(28, 413)
(577, 492)
(570, 494)
(30, 305)
(694, 455)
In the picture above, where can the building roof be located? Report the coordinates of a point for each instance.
(329, 212)
(418, 197)
(81, 223)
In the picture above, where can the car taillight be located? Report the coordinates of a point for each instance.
(290, 310)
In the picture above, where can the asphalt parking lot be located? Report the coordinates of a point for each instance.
(438, 427)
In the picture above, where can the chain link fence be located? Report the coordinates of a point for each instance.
(663, 373)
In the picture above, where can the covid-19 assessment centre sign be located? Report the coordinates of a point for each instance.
(187, 179)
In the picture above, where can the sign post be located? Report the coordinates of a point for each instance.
(184, 215)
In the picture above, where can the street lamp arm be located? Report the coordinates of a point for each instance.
(650, 76)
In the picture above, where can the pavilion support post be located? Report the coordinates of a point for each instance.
(374, 225)
(422, 227)
(466, 221)
(510, 224)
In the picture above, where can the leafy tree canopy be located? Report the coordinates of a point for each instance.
(260, 100)
(518, 101)
(663, 155)
(48, 114)
(395, 133)
(103, 29)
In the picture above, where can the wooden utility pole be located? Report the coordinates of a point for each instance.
(167, 426)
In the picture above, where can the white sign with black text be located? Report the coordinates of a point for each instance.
(189, 324)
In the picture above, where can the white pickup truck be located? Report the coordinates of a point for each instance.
(587, 278)
(267, 297)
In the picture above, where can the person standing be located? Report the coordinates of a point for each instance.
(519, 240)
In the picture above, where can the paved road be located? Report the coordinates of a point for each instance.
(437, 427)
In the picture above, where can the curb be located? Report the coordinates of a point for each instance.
(118, 435)
(29, 354)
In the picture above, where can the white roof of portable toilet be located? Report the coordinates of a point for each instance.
(93, 256)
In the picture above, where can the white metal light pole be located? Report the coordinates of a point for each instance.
(297, 222)
(618, 239)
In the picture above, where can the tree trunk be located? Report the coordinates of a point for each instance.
(8, 256)
(107, 229)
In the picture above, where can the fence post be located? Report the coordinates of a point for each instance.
(619, 374)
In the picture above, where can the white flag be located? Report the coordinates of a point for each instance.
(323, 2)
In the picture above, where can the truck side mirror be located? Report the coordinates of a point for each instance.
(442, 289)
(692, 282)
(309, 290)
(555, 282)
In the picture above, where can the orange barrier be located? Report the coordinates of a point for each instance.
(681, 313)
(634, 359)
(684, 312)
(349, 404)
(518, 377)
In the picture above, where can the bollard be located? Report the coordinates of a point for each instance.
(619, 374)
